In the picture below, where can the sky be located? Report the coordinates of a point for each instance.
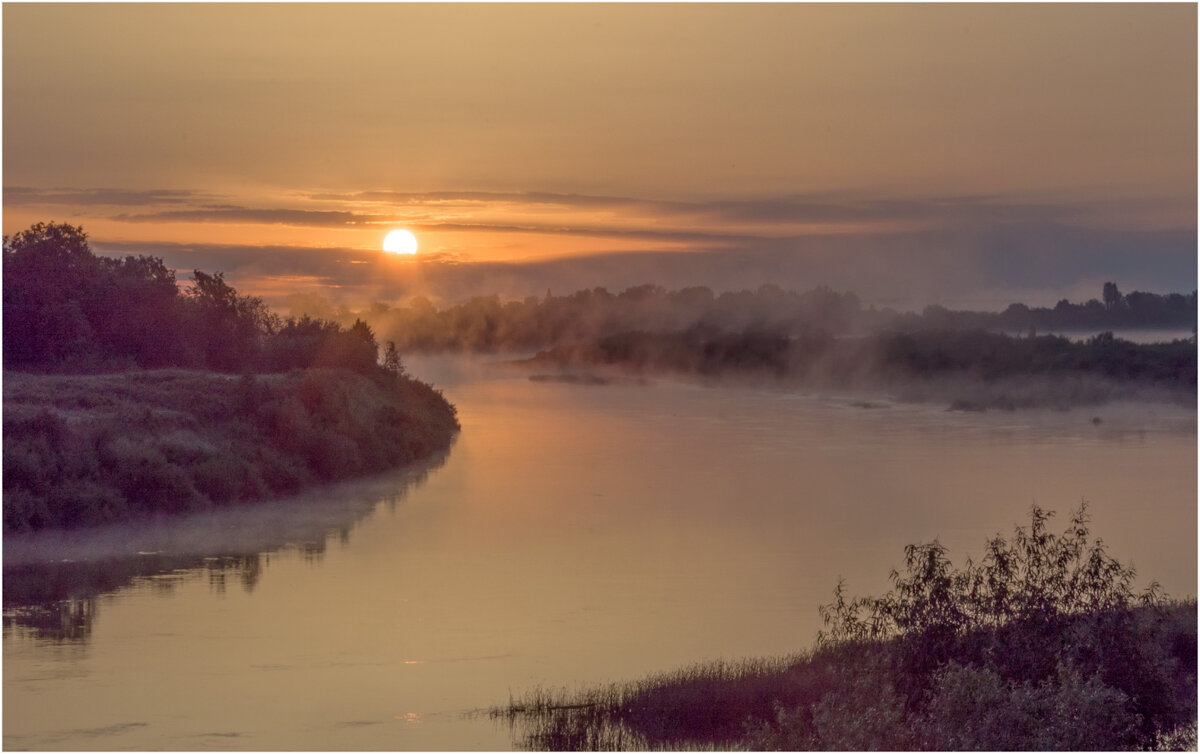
(961, 154)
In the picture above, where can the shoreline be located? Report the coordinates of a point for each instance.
(230, 531)
(87, 450)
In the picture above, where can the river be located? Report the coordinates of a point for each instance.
(574, 534)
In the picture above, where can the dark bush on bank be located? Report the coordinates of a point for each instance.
(1041, 645)
(313, 402)
(84, 450)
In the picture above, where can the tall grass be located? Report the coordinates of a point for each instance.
(1043, 644)
(85, 450)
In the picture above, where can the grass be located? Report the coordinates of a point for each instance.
(87, 450)
(1041, 645)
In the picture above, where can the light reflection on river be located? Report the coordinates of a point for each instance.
(575, 534)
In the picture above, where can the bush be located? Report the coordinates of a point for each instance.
(84, 502)
(1042, 624)
(974, 709)
(143, 442)
(1042, 645)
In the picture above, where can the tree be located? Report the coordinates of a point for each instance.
(227, 328)
(392, 364)
(353, 349)
(46, 272)
(1112, 297)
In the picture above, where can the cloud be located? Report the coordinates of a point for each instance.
(341, 219)
(335, 265)
(725, 222)
(644, 234)
(233, 214)
(23, 196)
(728, 221)
(790, 208)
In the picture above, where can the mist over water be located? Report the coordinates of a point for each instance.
(575, 534)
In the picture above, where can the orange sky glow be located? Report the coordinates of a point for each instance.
(532, 135)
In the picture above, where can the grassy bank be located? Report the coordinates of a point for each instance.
(90, 449)
(1041, 645)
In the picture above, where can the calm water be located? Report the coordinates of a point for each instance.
(574, 534)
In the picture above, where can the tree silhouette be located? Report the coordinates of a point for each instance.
(1112, 297)
(227, 328)
(66, 308)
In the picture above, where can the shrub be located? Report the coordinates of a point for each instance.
(176, 441)
(1042, 645)
(84, 502)
(1050, 618)
(974, 709)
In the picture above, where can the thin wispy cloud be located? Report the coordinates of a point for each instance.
(774, 209)
(620, 217)
(25, 196)
(299, 217)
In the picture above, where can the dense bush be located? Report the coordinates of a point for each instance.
(1041, 645)
(1041, 622)
(90, 449)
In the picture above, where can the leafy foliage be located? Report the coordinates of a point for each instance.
(85, 450)
(88, 452)
(1043, 644)
(1036, 577)
(68, 310)
(63, 304)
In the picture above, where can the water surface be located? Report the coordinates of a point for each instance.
(575, 534)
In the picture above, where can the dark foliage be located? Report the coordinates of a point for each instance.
(1041, 645)
(64, 305)
(86, 450)
(485, 323)
(67, 310)
(992, 356)
(103, 449)
(896, 359)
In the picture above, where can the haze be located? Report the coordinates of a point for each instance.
(964, 155)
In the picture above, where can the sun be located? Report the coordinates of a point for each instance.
(400, 242)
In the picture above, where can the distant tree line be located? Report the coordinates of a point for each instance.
(69, 310)
(1134, 310)
(983, 355)
(485, 323)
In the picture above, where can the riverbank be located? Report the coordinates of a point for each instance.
(1042, 644)
(846, 698)
(93, 449)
